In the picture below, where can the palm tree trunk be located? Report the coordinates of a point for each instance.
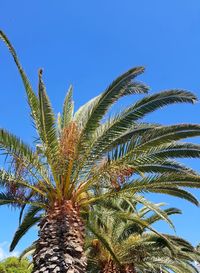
(110, 267)
(129, 269)
(60, 244)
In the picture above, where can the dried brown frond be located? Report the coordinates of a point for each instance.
(16, 192)
(19, 167)
(12, 188)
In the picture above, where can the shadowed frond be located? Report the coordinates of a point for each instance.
(134, 247)
(30, 219)
(9, 199)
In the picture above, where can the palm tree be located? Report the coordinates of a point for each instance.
(80, 160)
(118, 241)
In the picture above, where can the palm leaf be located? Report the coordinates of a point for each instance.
(49, 133)
(154, 208)
(68, 108)
(120, 87)
(121, 123)
(155, 217)
(27, 251)
(30, 219)
(8, 179)
(144, 106)
(32, 98)
(16, 148)
(178, 193)
(104, 241)
(167, 134)
(9, 199)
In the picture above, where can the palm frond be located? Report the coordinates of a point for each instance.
(161, 213)
(32, 98)
(68, 108)
(105, 242)
(17, 149)
(167, 183)
(144, 106)
(172, 150)
(180, 193)
(8, 180)
(166, 134)
(120, 87)
(9, 199)
(155, 217)
(27, 251)
(30, 219)
(48, 126)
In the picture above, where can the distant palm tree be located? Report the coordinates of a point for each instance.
(81, 159)
(118, 241)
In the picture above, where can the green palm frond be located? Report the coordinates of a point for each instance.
(142, 141)
(155, 217)
(8, 180)
(165, 183)
(27, 251)
(149, 251)
(68, 108)
(180, 193)
(105, 242)
(15, 148)
(159, 212)
(30, 219)
(48, 126)
(32, 98)
(12, 145)
(120, 87)
(167, 179)
(173, 150)
(135, 130)
(160, 166)
(9, 199)
(147, 105)
(166, 134)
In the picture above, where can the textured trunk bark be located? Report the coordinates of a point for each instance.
(59, 248)
(110, 267)
(129, 269)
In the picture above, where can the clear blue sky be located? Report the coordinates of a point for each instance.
(88, 43)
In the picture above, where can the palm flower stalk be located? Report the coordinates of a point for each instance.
(80, 159)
